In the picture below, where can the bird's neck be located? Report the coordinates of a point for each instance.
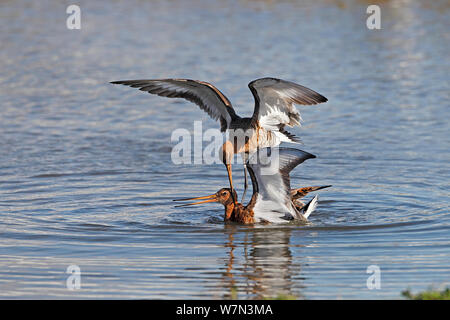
(229, 209)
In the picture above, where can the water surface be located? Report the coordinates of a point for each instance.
(86, 176)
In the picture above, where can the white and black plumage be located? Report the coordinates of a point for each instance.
(269, 171)
(274, 110)
(272, 200)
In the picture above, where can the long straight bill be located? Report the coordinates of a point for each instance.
(230, 179)
(210, 198)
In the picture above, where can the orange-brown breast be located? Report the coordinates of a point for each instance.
(229, 210)
(243, 214)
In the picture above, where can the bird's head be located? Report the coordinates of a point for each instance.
(222, 196)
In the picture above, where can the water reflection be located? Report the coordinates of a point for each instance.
(265, 265)
(77, 154)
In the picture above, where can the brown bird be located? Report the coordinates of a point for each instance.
(274, 109)
(272, 199)
(234, 211)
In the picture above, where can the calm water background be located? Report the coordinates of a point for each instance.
(86, 176)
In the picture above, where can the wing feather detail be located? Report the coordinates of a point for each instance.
(275, 99)
(270, 169)
(203, 94)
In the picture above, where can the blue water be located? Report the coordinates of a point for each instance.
(86, 176)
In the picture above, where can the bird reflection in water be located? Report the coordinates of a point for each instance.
(259, 265)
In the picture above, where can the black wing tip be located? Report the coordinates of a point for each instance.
(306, 155)
(131, 82)
(309, 155)
(320, 98)
(119, 82)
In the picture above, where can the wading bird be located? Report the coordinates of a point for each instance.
(272, 200)
(274, 109)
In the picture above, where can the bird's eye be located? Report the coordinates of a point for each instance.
(224, 193)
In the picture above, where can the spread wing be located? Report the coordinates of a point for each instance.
(203, 94)
(269, 170)
(275, 99)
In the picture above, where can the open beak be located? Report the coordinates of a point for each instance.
(210, 198)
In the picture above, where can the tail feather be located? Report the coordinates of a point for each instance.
(289, 136)
(310, 206)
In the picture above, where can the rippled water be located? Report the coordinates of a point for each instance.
(86, 176)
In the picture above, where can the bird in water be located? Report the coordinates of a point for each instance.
(274, 110)
(272, 200)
